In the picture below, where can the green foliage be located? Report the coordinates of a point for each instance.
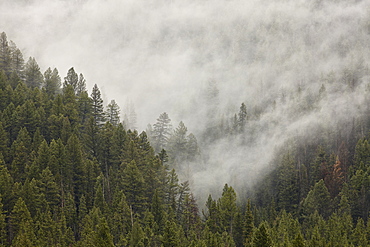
(71, 175)
(261, 237)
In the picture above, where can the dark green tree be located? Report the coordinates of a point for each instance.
(97, 106)
(17, 61)
(3, 235)
(228, 209)
(5, 54)
(170, 235)
(81, 85)
(71, 79)
(52, 82)
(33, 76)
(134, 187)
(288, 189)
(248, 225)
(261, 237)
(113, 113)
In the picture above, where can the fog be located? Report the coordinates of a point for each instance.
(161, 55)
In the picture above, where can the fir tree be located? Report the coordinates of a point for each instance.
(97, 106)
(71, 79)
(34, 77)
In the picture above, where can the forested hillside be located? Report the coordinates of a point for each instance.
(73, 174)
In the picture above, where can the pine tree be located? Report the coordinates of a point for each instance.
(17, 61)
(261, 237)
(318, 199)
(288, 197)
(134, 187)
(97, 106)
(359, 237)
(237, 232)
(3, 235)
(161, 132)
(70, 105)
(49, 188)
(242, 117)
(52, 82)
(84, 108)
(75, 169)
(121, 219)
(71, 79)
(170, 235)
(112, 113)
(248, 225)
(6, 186)
(177, 143)
(171, 189)
(158, 211)
(137, 236)
(34, 77)
(192, 148)
(20, 218)
(81, 85)
(5, 54)
(228, 209)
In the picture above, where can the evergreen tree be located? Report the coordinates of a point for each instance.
(49, 188)
(112, 113)
(34, 77)
(242, 117)
(84, 108)
(3, 235)
(52, 82)
(318, 199)
(121, 219)
(134, 187)
(158, 211)
(5, 54)
(17, 61)
(71, 79)
(170, 235)
(177, 144)
(97, 106)
(228, 209)
(137, 236)
(248, 225)
(75, 169)
(261, 237)
(81, 85)
(288, 197)
(161, 132)
(20, 220)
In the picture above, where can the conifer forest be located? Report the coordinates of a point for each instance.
(264, 141)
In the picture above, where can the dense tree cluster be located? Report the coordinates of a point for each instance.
(71, 174)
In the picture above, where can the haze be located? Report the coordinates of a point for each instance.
(161, 55)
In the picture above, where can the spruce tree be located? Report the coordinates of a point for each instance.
(97, 106)
(161, 132)
(261, 237)
(34, 78)
(71, 79)
(81, 85)
(5, 54)
(52, 82)
(242, 117)
(113, 113)
(134, 187)
(248, 225)
(17, 61)
(3, 235)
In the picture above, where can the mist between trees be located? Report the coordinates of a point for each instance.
(270, 99)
